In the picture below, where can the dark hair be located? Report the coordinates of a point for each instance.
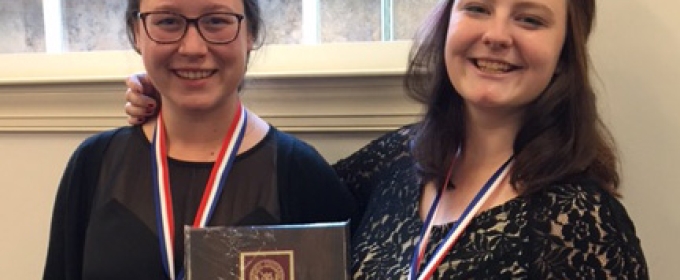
(561, 136)
(253, 15)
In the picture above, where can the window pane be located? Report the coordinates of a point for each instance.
(22, 26)
(282, 21)
(349, 20)
(99, 25)
(408, 15)
(94, 25)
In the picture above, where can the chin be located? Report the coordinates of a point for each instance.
(194, 105)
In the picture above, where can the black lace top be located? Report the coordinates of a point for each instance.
(567, 231)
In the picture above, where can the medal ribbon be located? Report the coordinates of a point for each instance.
(454, 233)
(162, 194)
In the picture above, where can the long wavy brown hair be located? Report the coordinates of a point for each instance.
(562, 137)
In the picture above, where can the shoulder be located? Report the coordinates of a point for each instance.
(295, 149)
(107, 135)
(389, 150)
(584, 199)
(301, 160)
(394, 142)
(565, 198)
(376, 165)
(98, 143)
(579, 209)
(386, 149)
(580, 230)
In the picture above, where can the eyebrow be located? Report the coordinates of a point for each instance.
(526, 5)
(534, 5)
(207, 9)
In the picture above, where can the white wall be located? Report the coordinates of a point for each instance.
(636, 52)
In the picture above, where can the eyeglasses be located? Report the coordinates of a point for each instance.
(168, 27)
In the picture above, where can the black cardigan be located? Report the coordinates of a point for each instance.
(298, 202)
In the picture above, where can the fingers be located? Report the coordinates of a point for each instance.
(139, 106)
(141, 82)
(134, 82)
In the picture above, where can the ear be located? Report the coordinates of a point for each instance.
(251, 42)
(136, 29)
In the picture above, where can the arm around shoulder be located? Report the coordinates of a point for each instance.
(361, 170)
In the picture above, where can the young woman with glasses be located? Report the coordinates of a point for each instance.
(127, 194)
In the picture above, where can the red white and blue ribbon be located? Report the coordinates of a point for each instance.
(163, 196)
(457, 229)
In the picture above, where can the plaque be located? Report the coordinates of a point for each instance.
(280, 252)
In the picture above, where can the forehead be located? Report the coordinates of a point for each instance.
(193, 6)
(557, 6)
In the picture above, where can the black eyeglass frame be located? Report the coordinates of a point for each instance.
(192, 21)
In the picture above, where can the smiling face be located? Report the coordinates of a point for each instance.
(501, 54)
(192, 74)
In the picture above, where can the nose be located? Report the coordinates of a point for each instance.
(193, 43)
(498, 35)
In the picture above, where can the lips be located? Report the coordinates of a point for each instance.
(194, 74)
(494, 66)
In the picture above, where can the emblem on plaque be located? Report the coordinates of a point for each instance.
(267, 265)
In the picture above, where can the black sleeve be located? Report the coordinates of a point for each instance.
(309, 188)
(364, 169)
(72, 209)
(584, 233)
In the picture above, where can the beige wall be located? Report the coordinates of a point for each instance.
(30, 166)
(636, 51)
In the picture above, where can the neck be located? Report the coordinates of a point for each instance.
(489, 137)
(196, 136)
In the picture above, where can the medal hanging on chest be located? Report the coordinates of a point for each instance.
(163, 196)
(454, 233)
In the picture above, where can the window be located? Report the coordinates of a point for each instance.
(56, 26)
(85, 40)
(22, 26)
(63, 62)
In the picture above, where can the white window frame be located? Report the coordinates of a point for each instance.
(272, 61)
